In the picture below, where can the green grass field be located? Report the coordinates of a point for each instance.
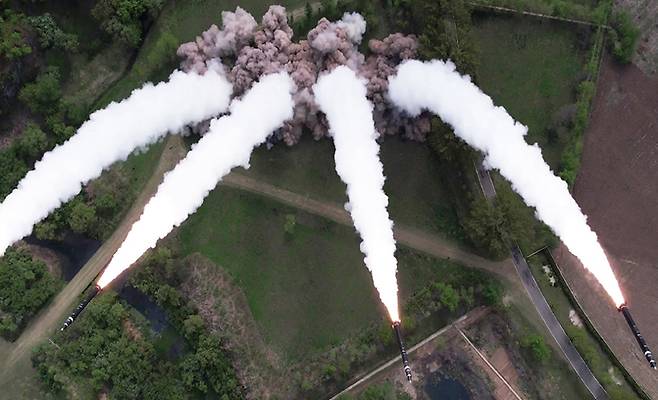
(307, 290)
(530, 67)
(417, 196)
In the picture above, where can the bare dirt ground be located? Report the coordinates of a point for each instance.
(15, 367)
(407, 236)
(448, 355)
(645, 15)
(617, 187)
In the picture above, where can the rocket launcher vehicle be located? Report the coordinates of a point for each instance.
(96, 290)
(403, 351)
(638, 336)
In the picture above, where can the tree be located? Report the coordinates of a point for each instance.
(483, 228)
(624, 37)
(43, 95)
(537, 346)
(51, 35)
(449, 297)
(12, 170)
(25, 286)
(32, 143)
(122, 19)
(13, 33)
(82, 217)
(193, 327)
(45, 230)
(207, 369)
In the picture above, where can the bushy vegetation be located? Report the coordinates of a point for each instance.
(51, 34)
(570, 162)
(25, 286)
(623, 37)
(125, 20)
(13, 35)
(535, 344)
(109, 349)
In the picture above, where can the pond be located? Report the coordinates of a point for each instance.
(445, 388)
(73, 251)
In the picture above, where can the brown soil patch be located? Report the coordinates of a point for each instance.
(131, 330)
(617, 187)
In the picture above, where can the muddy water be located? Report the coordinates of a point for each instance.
(445, 388)
(73, 251)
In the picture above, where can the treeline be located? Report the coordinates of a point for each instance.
(333, 10)
(35, 63)
(25, 286)
(112, 350)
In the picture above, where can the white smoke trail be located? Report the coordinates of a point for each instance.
(228, 144)
(436, 86)
(342, 97)
(109, 135)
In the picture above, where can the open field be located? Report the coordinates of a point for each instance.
(288, 278)
(417, 197)
(531, 67)
(617, 189)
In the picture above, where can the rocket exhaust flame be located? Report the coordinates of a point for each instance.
(403, 351)
(638, 336)
(436, 86)
(83, 304)
(228, 144)
(342, 97)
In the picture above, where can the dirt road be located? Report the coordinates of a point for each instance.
(50, 318)
(416, 239)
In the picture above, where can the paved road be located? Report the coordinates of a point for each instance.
(540, 303)
(554, 327)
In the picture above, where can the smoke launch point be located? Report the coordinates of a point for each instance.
(638, 336)
(83, 304)
(403, 351)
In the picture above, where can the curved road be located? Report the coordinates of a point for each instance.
(550, 320)
(409, 237)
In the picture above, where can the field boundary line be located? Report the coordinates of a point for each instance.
(537, 15)
(396, 359)
(483, 358)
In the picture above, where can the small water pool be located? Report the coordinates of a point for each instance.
(445, 388)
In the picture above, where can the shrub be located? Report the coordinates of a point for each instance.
(43, 95)
(624, 37)
(51, 35)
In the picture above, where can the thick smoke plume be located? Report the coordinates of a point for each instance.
(228, 143)
(342, 97)
(250, 51)
(110, 135)
(438, 87)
